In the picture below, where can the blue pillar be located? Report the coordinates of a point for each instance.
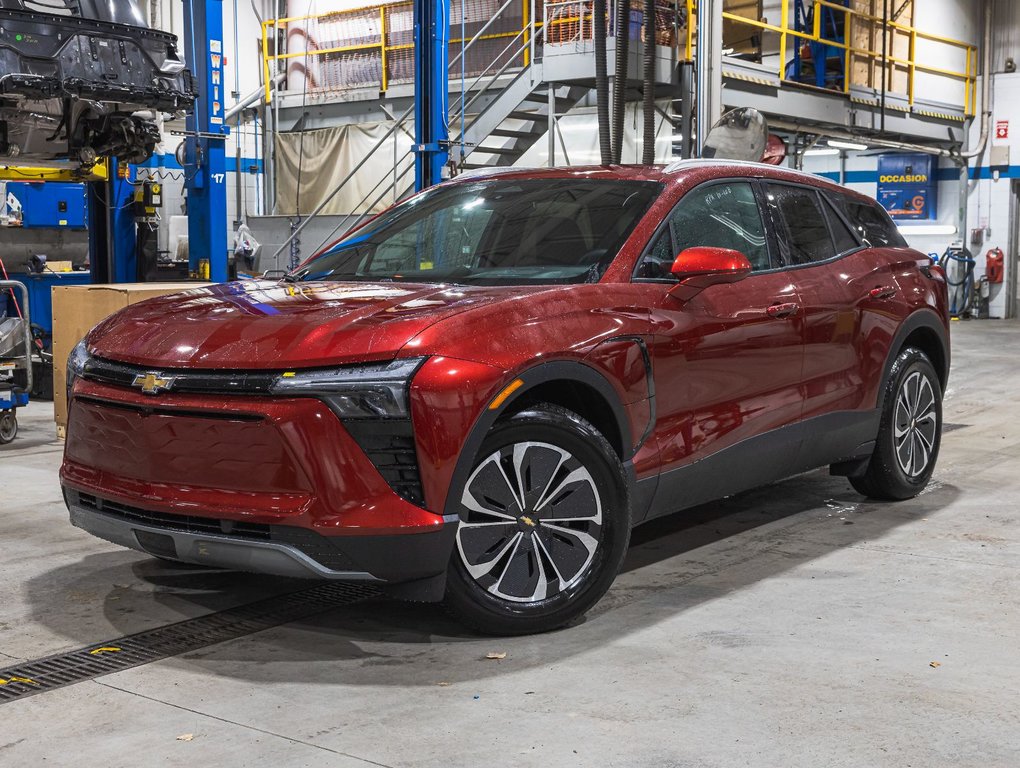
(205, 150)
(431, 90)
(123, 231)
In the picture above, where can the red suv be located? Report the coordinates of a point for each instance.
(476, 395)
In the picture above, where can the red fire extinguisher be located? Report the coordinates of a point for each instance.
(994, 261)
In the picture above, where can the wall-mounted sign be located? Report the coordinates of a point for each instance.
(1002, 129)
(907, 186)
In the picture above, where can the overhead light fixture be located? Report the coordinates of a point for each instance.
(821, 152)
(846, 145)
(907, 229)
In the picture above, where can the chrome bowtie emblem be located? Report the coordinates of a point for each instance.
(153, 383)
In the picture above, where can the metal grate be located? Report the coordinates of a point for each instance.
(52, 672)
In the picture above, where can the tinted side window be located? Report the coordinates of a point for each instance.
(803, 231)
(658, 262)
(871, 222)
(841, 234)
(720, 215)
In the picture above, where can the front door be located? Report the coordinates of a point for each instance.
(727, 362)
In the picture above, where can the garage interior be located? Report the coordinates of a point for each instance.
(799, 624)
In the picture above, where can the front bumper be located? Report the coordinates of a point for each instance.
(280, 550)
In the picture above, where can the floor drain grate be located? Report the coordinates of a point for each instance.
(92, 661)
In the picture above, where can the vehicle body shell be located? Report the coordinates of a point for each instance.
(701, 397)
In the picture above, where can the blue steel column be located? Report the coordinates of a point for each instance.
(431, 91)
(123, 230)
(206, 165)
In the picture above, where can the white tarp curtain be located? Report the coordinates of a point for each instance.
(325, 157)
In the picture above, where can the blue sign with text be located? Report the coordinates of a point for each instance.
(907, 186)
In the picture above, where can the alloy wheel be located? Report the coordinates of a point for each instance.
(915, 424)
(532, 522)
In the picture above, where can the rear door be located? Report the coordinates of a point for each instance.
(812, 240)
(727, 362)
(848, 295)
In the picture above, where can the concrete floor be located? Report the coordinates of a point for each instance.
(793, 626)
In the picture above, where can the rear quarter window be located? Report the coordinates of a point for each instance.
(870, 220)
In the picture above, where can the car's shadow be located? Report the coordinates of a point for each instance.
(681, 561)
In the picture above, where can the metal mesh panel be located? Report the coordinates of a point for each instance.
(374, 47)
(571, 22)
(400, 43)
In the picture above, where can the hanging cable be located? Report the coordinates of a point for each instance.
(648, 143)
(304, 105)
(602, 82)
(620, 78)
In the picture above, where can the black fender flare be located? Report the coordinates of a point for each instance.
(922, 318)
(554, 370)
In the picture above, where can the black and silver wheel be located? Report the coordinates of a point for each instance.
(544, 526)
(8, 427)
(910, 433)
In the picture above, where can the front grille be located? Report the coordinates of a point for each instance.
(389, 445)
(315, 545)
(196, 382)
(176, 412)
(184, 523)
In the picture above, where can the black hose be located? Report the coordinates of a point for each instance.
(602, 82)
(620, 80)
(648, 145)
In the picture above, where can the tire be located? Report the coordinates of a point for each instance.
(8, 427)
(514, 571)
(910, 432)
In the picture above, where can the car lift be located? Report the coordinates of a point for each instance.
(112, 237)
(111, 218)
(205, 144)
(431, 91)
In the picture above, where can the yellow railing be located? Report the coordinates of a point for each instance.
(369, 30)
(384, 33)
(852, 17)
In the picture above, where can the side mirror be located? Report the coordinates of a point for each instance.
(701, 267)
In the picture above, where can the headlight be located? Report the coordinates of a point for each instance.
(375, 391)
(76, 362)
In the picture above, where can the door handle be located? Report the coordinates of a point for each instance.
(882, 292)
(782, 310)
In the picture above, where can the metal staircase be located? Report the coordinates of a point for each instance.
(513, 121)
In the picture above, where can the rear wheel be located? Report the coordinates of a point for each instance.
(8, 427)
(910, 433)
(545, 522)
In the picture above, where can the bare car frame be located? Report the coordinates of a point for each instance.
(85, 79)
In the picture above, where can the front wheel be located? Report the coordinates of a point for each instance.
(545, 523)
(910, 432)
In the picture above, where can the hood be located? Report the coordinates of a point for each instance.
(269, 325)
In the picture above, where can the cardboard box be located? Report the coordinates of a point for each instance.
(77, 309)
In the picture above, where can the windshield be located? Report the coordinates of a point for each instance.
(495, 232)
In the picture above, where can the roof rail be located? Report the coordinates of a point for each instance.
(681, 165)
(481, 173)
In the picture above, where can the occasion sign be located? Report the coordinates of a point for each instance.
(907, 186)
